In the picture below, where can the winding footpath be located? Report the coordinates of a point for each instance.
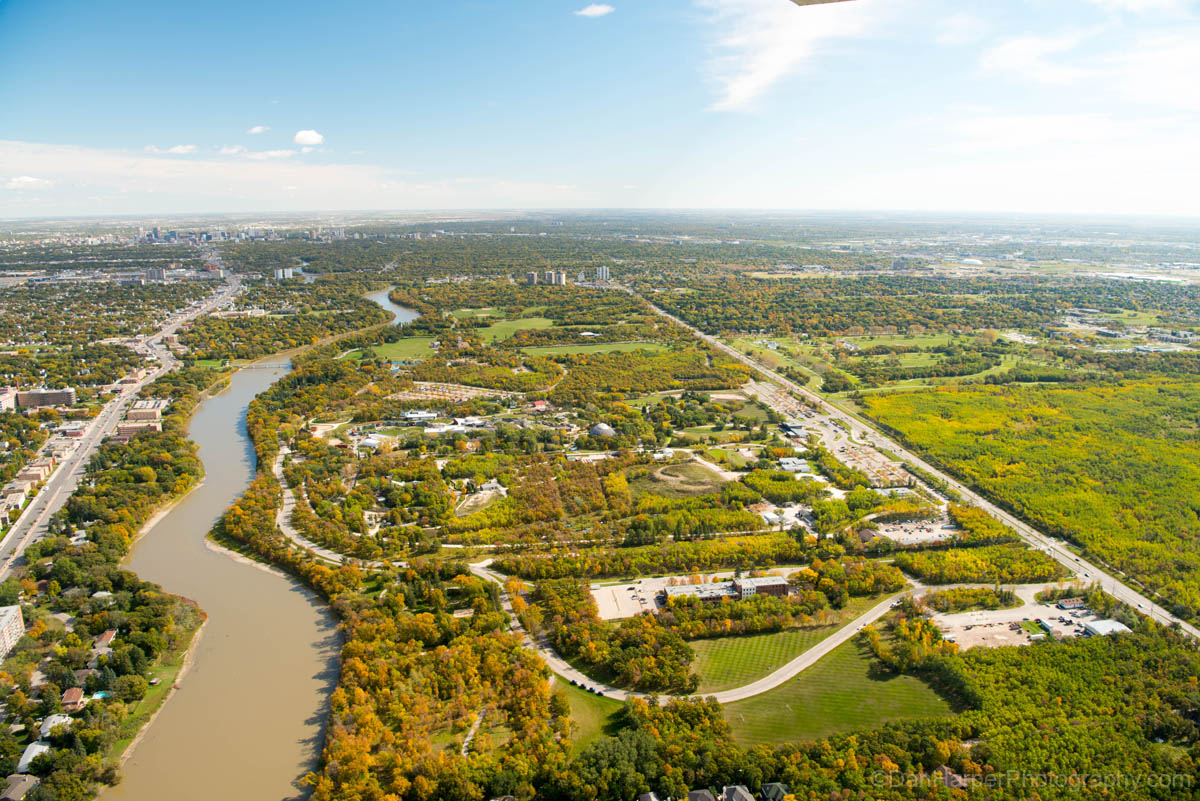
(283, 519)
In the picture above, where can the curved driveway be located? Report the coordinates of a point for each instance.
(768, 682)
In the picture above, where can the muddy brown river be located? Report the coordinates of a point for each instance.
(248, 718)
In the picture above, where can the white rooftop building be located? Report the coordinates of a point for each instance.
(32, 751)
(1104, 628)
(51, 721)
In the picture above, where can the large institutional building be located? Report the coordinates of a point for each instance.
(12, 628)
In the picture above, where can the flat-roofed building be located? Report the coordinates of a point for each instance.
(764, 585)
(37, 398)
(148, 409)
(129, 428)
(12, 628)
(710, 593)
(1104, 628)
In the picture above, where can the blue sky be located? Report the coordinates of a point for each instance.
(1010, 105)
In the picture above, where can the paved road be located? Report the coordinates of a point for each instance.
(1089, 571)
(32, 524)
(768, 682)
(283, 519)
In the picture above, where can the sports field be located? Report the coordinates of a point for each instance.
(839, 693)
(729, 662)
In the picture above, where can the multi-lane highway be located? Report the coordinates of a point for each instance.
(33, 522)
(859, 429)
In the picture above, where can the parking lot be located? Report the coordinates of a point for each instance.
(919, 532)
(626, 600)
(992, 628)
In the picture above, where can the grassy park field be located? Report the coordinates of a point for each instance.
(839, 693)
(729, 662)
(591, 714)
(409, 349)
(503, 329)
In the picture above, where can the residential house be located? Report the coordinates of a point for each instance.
(72, 700)
(700, 795)
(736, 792)
(774, 791)
(52, 721)
(18, 786)
(31, 752)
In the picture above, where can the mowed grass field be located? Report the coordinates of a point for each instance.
(835, 695)
(465, 314)
(729, 662)
(409, 349)
(590, 714)
(503, 329)
(602, 347)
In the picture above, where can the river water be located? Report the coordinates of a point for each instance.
(248, 719)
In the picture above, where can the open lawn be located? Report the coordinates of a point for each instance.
(409, 349)
(140, 712)
(678, 481)
(751, 412)
(727, 456)
(646, 400)
(729, 662)
(917, 340)
(591, 715)
(466, 314)
(602, 347)
(839, 693)
(503, 329)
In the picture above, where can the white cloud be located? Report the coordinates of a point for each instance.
(308, 137)
(1141, 6)
(122, 181)
(232, 150)
(1033, 58)
(265, 155)
(1157, 68)
(595, 10)
(759, 42)
(177, 150)
(259, 129)
(961, 29)
(27, 182)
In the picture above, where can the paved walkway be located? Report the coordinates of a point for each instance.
(283, 519)
(768, 682)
